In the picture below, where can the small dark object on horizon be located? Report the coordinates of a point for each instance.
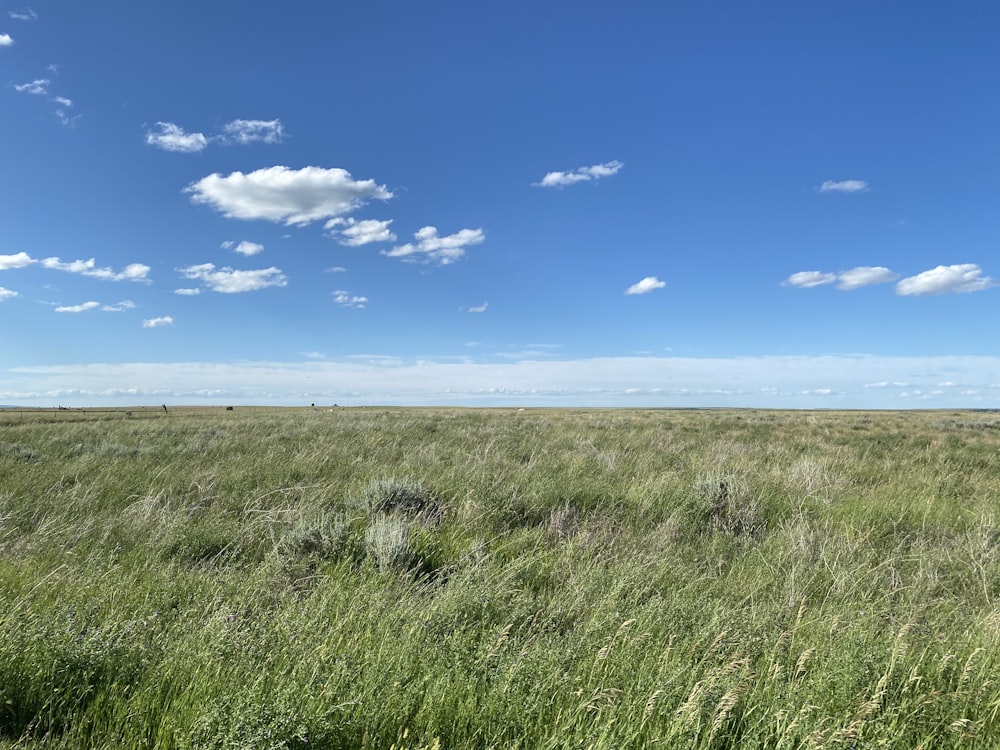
(229, 408)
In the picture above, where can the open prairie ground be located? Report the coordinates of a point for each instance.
(431, 578)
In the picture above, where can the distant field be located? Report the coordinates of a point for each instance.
(462, 578)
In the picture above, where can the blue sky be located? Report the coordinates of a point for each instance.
(778, 204)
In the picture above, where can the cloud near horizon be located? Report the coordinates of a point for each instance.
(846, 381)
(296, 197)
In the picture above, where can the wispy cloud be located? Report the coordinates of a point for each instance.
(430, 248)
(78, 308)
(865, 276)
(230, 281)
(38, 87)
(581, 174)
(63, 101)
(120, 307)
(357, 233)
(345, 299)
(777, 382)
(964, 277)
(854, 278)
(131, 272)
(24, 15)
(6, 40)
(166, 320)
(843, 186)
(243, 132)
(170, 137)
(646, 285)
(280, 194)
(248, 248)
(6, 294)
(808, 279)
(187, 292)
(479, 308)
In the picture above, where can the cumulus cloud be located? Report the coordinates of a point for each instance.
(166, 320)
(356, 233)
(6, 294)
(6, 40)
(37, 87)
(131, 272)
(807, 279)
(230, 281)
(280, 194)
(243, 132)
(582, 174)
(18, 260)
(171, 137)
(964, 277)
(479, 308)
(430, 248)
(345, 299)
(77, 308)
(248, 248)
(865, 276)
(647, 285)
(843, 186)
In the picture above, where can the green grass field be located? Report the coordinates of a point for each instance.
(424, 578)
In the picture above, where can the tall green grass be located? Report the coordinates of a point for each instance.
(375, 578)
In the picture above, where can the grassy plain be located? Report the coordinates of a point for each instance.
(421, 578)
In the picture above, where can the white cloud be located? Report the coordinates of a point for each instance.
(252, 131)
(229, 281)
(865, 276)
(166, 320)
(807, 279)
(645, 286)
(131, 272)
(336, 269)
(227, 244)
(170, 137)
(775, 382)
(187, 292)
(6, 294)
(358, 233)
(280, 194)
(62, 100)
(18, 260)
(37, 87)
(6, 40)
(344, 299)
(78, 308)
(433, 249)
(843, 186)
(964, 277)
(480, 308)
(248, 248)
(24, 15)
(123, 305)
(582, 174)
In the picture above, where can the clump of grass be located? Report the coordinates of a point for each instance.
(387, 496)
(724, 503)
